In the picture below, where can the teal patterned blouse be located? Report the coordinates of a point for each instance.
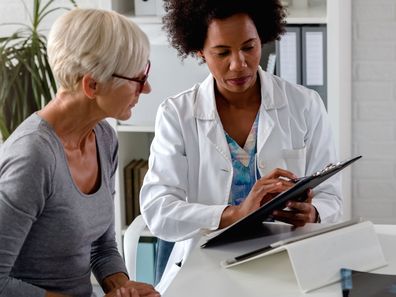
(243, 162)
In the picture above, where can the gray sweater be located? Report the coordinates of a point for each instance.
(51, 234)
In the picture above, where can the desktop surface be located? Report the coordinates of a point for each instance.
(202, 274)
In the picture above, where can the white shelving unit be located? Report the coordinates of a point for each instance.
(134, 140)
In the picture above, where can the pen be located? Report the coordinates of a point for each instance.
(292, 180)
(297, 179)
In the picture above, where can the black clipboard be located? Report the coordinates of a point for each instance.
(251, 226)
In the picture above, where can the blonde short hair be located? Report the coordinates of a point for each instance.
(96, 42)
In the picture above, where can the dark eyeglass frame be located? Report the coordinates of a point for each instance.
(142, 80)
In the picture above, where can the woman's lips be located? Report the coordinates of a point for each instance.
(133, 104)
(238, 81)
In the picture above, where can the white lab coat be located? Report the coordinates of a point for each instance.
(190, 172)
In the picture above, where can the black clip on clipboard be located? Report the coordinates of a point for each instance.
(251, 226)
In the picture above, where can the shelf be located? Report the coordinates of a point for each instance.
(315, 14)
(132, 128)
(149, 19)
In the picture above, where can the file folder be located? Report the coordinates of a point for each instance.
(288, 52)
(251, 226)
(314, 57)
(301, 55)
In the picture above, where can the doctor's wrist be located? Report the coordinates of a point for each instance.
(230, 214)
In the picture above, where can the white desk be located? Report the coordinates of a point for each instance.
(272, 276)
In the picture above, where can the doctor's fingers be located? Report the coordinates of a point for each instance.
(263, 193)
(279, 172)
(290, 217)
(310, 195)
(285, 185)
(302, 211)
(259, 191)
(269, 186)
(257, 194)
(293, 217)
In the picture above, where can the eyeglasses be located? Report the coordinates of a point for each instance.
(142, 80)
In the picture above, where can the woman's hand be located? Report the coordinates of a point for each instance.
(134, 289)
(299, 213)
(123, 292)
(266, 188)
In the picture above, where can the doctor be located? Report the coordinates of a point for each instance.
(230, 143)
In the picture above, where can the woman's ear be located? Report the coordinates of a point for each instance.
(89, 86)
(201, 55)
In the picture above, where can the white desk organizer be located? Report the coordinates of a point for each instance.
(316, 261)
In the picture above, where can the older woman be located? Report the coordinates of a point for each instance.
(57, 169)
(232, 142)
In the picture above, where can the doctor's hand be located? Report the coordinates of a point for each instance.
(298, 213)
(263, 190)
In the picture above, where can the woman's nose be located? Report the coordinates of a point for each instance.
(237, 62)
(146, 88)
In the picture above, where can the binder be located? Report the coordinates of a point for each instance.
(128, 191)
(288, 53)
(301, 55)
(314, 57)
(251, 226)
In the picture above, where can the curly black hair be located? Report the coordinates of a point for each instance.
(186, 21)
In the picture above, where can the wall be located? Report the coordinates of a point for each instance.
(14, 11)
(374, 109)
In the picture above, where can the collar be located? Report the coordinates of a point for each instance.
(272, 96)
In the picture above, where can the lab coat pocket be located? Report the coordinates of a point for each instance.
(295, 160)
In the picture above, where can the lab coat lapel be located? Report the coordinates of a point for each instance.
(208, 119)
(265, 127)
(271, 99)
